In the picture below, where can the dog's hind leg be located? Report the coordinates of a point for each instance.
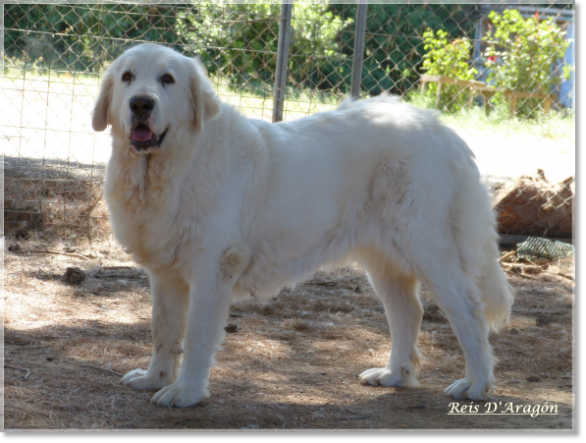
(170, 297)
(458, 295)
(400, 296)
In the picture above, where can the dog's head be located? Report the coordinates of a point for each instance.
(149, 92)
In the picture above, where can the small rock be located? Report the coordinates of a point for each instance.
(299, 325)
(358, 290)
(532, 269)
(231, 328)
(543, 320)
(514, 331)
(533, 378)
(74, 276)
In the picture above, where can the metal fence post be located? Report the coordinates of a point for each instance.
(358, 49)
(282, 58)
(2, 39)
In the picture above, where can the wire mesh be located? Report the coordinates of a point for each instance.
(538, 247)
(445, 56)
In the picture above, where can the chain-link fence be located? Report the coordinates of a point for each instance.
(501, 75)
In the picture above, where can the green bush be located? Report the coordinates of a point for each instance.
(393, 46)
(450, 59)
(316, 59)
(240, 41)
(522, 56)
(81, 37)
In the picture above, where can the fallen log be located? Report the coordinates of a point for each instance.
(532, 205)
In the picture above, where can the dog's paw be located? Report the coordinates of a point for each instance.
(384, 377)
(141, 379)
(463, 389)
(179, 396)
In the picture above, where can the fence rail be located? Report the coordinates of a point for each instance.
(278, 62)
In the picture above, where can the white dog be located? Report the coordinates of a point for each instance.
(217, 207)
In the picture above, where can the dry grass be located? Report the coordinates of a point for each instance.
(291, 363)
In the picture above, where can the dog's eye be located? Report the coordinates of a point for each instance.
(127, 76)
(167, 79)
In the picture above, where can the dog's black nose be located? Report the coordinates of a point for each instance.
(142, 105)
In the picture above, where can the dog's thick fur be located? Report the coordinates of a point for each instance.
(230, 207)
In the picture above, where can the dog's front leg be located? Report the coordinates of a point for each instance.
(170, 304)
(208, 309)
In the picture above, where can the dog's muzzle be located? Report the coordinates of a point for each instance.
(143, 136)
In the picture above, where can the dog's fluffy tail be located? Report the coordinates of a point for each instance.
(474, 223)
(479, 257)
(496, 293)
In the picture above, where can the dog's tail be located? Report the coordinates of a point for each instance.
(496, 293)
(474, 223)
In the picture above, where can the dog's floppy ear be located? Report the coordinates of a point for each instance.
(204, 100)
(100, 116)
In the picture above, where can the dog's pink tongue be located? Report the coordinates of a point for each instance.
(141, 134)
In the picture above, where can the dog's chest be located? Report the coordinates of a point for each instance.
(150, 232)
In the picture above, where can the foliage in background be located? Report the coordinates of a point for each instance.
(322, 42)
(83, 37)
(451, 59)
(524, 55)
(241, 41)
(235, 41)
(316, 56)
(393, 47)
(71, 37)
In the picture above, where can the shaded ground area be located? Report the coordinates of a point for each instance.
(291, 363)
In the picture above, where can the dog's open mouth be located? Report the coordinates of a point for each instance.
(142, 138)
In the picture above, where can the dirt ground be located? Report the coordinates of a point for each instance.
(290, 363)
